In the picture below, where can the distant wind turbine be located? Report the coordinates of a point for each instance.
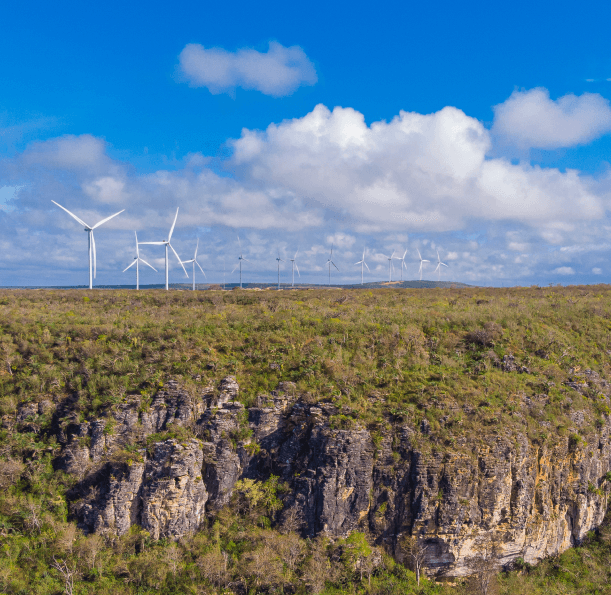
(167, 244)
(136, 262)
(422, 261)
(330, 262)
(240, 259)
(194, 262)
(279, 261)
(363, 264)
(294, 266)
(89, 229)
(439, 265)
(402, 259)
(390, 266)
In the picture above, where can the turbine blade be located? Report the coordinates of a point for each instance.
(200, 268)
(131, 265)
(234, 268)
(71, 214)
(107, 219)
(297, 269)
(137, 249)
(95, 260)
(294, 257)
(176, 254)
(419, 255)
(426, 261)
(366, 266)
(404, 254)
(152, 243)
(172, 228)
(196, 247)
(444, 264)
(147, 264)
(335, 266)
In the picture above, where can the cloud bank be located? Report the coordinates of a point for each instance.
(530, 119)
(278, 72)
(417, 181)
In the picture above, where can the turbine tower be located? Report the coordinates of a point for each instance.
(402, 259)
(390, 266)
(167, 244)
(294, 266)
(240, 259)
(439, 265)
(362, 263)
(422, 261)
(330, 262)
(136, 262)
(89, 229)
(279, 261)
(194, 262)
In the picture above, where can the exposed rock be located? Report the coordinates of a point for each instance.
(173, 495)
(534, 500)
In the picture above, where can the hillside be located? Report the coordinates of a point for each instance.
(247, 441)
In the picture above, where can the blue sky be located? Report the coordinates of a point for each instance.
(478, 131)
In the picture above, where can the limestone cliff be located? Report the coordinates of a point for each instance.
(533, 499)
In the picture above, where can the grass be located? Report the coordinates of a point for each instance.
(457, 360)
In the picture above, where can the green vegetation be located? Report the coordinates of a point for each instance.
(453, 360)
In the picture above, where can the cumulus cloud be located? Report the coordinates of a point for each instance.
(530, 119)
(416, 172)
(597, 271)
(324, 178)
(278, 72)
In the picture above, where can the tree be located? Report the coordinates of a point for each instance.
(67, 573)
(484, 568)
(415, 552)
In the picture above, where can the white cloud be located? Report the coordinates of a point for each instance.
(277, 72)
(530, 119)
(597, 271)
(417, 172)
(341, 240)
(564, 271)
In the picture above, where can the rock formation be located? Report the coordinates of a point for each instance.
(531, 499)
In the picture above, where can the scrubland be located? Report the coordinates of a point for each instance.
(457, 360)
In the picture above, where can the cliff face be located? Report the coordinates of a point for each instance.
(530, 500)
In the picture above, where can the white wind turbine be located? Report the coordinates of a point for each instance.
(390, 266)
(89, 229)
(330, 262)
(240, 259)
(402, 259)
(363, 264)
(439, 265)
(294, 266)
(194, 262)
(136, 262)
(422, 261)
(279, 261)
(167, 244)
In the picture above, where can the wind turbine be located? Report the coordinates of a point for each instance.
(240, 259)
(136, 262)
(294, 266)
(279, 261)
(390, 266)
(422, 261)
(167, 244)
(402, 259)
(330, 262)
(89, 229)
(439, 265)
(194, 262)
(362, 263)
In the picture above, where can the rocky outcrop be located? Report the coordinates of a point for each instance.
(530, 498)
